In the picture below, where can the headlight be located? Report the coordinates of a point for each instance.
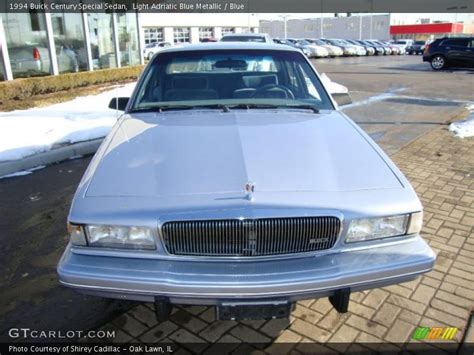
(383, 227)
(112, 236)
(120, 237)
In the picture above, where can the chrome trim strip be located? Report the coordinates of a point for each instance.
(265, 294)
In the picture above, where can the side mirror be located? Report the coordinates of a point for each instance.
(342, 98)
(119, 103)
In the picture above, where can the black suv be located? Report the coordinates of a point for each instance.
(444, 52)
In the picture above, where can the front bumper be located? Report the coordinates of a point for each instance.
(209, 282)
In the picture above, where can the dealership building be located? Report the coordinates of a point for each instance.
(36, 43)
(367, 26)
(192, 28)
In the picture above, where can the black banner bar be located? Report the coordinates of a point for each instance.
(239, 6)
(431, 348)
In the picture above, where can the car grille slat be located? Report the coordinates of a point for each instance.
(250, 237)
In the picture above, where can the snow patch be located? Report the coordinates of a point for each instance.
(23, 172)
(332, 87)
(36, 130)
(470, 107)
(463, 129)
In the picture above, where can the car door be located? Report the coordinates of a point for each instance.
(455, 50)
(469, 54)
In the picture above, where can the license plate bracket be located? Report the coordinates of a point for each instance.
(253, 310)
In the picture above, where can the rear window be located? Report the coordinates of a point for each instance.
(243, 39)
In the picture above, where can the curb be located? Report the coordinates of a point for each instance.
(53, 156)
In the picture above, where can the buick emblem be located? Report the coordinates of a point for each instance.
(249, 190)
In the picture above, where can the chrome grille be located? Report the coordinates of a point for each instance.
(251, 237)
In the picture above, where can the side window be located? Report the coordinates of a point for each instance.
(312, 91)
(455, 42)
(293, 80)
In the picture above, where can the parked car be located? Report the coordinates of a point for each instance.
(359, 50)
(387, 50)
(333, 51)
(369, 50)
(314, 50)
(227, 184)
(208, 39)
(287, 42)
(378, 49)
(27, 60)
(416, 47)
(403, 43)
(347, 49)
(393, 49)
(152, 48)
(445, 52)
(247, 37)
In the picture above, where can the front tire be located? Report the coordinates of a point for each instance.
(438, 62)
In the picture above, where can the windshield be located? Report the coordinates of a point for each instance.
(304, 42)
(337, 42)
(230, 77)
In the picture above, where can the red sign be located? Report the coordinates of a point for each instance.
(427, 28)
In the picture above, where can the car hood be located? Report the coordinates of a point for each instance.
(212, 152)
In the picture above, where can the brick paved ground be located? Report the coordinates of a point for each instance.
(441, 169)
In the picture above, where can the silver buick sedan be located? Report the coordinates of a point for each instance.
(232, 179)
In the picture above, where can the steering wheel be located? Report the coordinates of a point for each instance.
(273, 87)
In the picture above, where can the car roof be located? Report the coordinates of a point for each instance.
(228, 46)
(245, 35)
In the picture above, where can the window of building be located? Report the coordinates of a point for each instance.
(128, 39)
(308, 27)
(205, 32)
(35, 20)
(68, 33)
(27, 43)
(181, 34)
(228, 30)
(102, 40)
(153, 35)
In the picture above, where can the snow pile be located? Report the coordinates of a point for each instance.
(332, 87)
(36, 130)
(464, 129)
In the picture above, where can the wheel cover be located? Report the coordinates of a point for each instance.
(438, 62)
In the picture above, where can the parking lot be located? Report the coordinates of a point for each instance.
(404, 106)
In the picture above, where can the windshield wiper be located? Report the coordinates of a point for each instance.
(267, 106)
(161, 108)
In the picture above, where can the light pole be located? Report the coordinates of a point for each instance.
(322, 36)
(284, 17)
